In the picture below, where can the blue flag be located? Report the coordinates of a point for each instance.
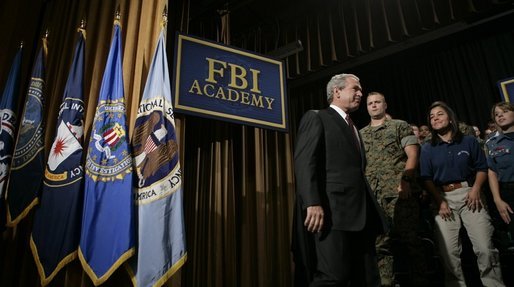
(108, 231)
(56, 231)
(158, 197)
(29, 153)
(8, 120)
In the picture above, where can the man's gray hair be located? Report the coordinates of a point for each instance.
(339, 82)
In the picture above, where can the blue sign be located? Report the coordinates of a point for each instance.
(506, 87)
(221, 82)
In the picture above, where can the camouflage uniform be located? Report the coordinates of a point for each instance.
(386, 160)
(466, 129)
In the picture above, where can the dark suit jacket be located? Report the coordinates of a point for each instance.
(329, 170)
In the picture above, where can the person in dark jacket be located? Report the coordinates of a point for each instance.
(337, 218)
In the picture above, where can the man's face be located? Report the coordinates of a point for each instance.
(376, 106)
(491, 127)
(477, 131)
(349, 98)
(415, 130)
(424, 131)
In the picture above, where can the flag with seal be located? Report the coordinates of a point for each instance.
(8, 120)
(158, 195)
(56, 231)
(29, 152)
(108, 232)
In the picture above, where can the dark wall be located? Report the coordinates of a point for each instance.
(461, 69)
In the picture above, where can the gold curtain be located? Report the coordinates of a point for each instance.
(27, 21)
(238, 201)
(238, 181)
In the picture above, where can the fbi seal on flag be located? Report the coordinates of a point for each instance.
(108, 158)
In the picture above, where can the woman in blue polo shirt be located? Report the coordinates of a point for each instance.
(454, 168)
(500, 159)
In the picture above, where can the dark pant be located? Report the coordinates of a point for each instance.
(506, 231)
(346, 258)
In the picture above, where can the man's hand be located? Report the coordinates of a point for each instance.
(314, 218)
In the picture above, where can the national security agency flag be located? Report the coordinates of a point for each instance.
(8, 120)
(27, 168)
(56, 231)
(108, 234)
(161, 236)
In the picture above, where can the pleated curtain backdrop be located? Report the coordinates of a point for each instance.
(239, 181)
(238, 201)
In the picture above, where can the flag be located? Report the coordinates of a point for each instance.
(8, 120)
(161, 236)
(56, 231)
(29, 153)
(108, 232)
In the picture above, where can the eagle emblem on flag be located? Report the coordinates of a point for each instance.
(152, 147)
(108, 141)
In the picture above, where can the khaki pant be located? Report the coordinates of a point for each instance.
(480, 230)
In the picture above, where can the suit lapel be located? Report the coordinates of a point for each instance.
(345, 129)
(363, 154)
(340, 122)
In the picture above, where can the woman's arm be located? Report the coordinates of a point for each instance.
(503, 208)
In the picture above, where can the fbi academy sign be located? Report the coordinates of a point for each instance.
(225, 83)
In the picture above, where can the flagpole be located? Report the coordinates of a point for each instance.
(164, 20)
(82, 28)
(45, 42)
(117, 16)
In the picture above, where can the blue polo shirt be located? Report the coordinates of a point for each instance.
(500, 156)
(446, 163)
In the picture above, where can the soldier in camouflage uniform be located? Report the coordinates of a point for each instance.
(392, 155)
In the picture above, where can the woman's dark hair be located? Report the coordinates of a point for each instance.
(454, 124)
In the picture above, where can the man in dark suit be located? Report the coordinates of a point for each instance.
(337, 218)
